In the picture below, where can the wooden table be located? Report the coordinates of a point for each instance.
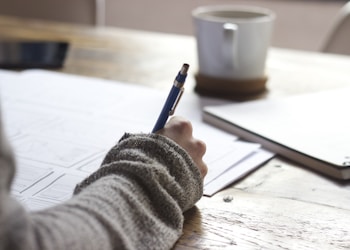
(281, 205)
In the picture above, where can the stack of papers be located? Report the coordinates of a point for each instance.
(61, 126)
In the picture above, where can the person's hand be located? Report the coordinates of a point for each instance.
(180, 130)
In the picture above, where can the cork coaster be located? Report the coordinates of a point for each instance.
(227, 88)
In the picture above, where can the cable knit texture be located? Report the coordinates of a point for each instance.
(135, 200)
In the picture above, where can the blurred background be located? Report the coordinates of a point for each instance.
(300, 24)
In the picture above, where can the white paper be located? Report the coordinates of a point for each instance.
(61, 126)
(237, 171)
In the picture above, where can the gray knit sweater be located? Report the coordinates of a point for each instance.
(135, 200)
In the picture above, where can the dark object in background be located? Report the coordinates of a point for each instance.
(32, 54)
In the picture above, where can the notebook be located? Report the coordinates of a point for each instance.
(311, 129)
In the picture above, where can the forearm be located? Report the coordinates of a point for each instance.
(158, 163)
(135, 200)
(156, 181)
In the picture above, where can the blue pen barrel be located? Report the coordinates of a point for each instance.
(164, 114)
(172, 99)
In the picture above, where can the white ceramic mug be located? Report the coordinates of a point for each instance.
(233, 41)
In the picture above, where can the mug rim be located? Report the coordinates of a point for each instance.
(267, 14)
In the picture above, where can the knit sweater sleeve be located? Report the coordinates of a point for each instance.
(135, 200)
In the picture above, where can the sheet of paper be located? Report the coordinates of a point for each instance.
(237, 170)
(61, 126)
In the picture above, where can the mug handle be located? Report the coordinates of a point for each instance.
(230, 44)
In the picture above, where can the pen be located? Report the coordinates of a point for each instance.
(173, 98)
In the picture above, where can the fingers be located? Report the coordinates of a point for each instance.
(179, 127)
(180, 130)
(203, 168)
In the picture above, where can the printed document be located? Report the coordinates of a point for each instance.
(61, 126)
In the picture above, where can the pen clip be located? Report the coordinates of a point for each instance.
(172, 110)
